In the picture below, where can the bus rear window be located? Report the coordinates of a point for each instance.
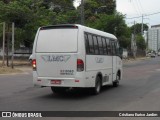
(57, 40)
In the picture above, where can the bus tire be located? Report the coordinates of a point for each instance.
(116, 82)
(97, 88)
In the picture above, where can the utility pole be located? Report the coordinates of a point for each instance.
(142, 26)
(3, 47)
(12, 43)
(133, 42)
(82, 12)
(7, 46)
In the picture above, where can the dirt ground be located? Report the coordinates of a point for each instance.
(9, 70)
(19, 66)
(130, 60)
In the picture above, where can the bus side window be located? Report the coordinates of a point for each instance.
(108, 46)
(117, 48)
(100, 44)
(113, 46)
(104, 46)
(91, 47)
(95, 45)
(86, 43)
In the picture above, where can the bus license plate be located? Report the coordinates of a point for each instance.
(56, 82)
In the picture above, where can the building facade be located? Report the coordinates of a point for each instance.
(154, 38)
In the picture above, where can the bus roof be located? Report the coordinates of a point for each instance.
(76, 26)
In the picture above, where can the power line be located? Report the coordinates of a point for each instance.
(138, 7)
(144, 15)
(152, 14)
(134, 17)
(134, 7)
(141, 5)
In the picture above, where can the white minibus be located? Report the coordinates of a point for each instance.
(74, 56)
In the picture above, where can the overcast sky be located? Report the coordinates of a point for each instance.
(134, 8)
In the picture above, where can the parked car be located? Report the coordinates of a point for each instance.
(148, 54)
(153, 54)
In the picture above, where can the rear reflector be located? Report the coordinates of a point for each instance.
(80, 65)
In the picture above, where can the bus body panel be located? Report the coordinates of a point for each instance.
(56, 65)
(100, 64)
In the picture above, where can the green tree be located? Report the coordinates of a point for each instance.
(140, 42)
(5, 1)
(102, 15)
(58, 5)
(93, 7)
(106, 6)
(138, 27)
(124, 42)
(114, 24)
(27, 15)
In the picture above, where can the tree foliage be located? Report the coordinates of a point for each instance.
(114, 24)
(138, 27)
(102, 15)
(140, 42)
(107, 6)
(137, 30)
(28, 15)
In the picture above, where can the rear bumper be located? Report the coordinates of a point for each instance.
(65, 82)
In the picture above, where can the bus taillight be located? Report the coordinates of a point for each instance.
(80, 65)
(34, 66)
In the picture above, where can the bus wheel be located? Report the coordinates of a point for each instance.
(116, 82)
(97, 88)
(58, 89)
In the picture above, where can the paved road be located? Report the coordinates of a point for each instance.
(139, 91)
